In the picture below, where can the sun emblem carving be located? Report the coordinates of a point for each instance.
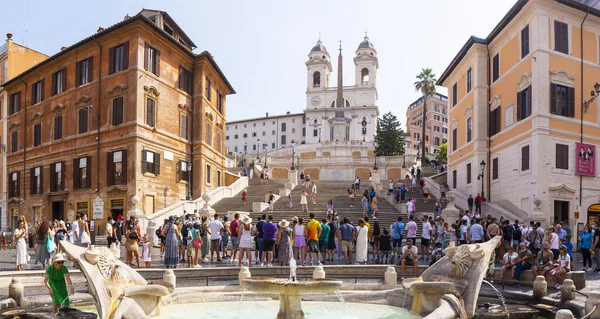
(461, 261)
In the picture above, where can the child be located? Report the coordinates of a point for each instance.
(437, 254)
(569, 246)
(56, 279)
(385, 247)
(146, 251)
(329, 207)
(189, 249)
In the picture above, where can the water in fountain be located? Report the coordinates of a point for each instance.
(242, 296)
(293, 270)
(404, 300)
(338, 294)
(502, 300)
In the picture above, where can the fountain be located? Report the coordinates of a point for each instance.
(450, 287)
(291, 290)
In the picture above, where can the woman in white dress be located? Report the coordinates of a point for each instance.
(304, 201)
(20, 234)
(361, 242)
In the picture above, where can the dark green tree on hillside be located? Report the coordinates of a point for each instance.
(389, 140)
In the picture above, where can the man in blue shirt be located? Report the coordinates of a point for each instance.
(346, 235)
(402, 193)
(397, 231)
(476, 232)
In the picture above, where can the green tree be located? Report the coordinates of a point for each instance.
(426, 85)
(442, 153)
(389, 140)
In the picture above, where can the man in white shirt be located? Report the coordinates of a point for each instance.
(463, 232)
(215, 227)
(467, 218)
(409, 256)
(314, 193)
(411, 229)
(426, 238)
(410, 207)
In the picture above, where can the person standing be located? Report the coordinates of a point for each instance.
(418, 172)
(357, 183)
(331, 246)
(390, 187)
(425, 191)
(314, 193)
(204, 232)
(131, 243)
(313, 232)
(397, 232)
(215, 227)
(411, 229)
(323, 239)
(244, 196)
(426, 238)
(402, 193)
(56, 279)
(365, 204)
(172, 238)
(374, 202)
(476, 233)
(351, 196)
(225, 235)
(362, 240)
(470, 203)
(478, 202)
(410, 208)
(233, 228)
(345, 237)
(585, 243)
(245, 235)
(463, 232)
(553, 241)
(259, 236)
(596, 244)
(290, 201)
(43, 255)
(251, 172)
(302, 178)
(304, 201)
(110, 232)
(269, 236)
(299, 240)
(535, 240)
(20, 234)
(284, 243)
(271, 200)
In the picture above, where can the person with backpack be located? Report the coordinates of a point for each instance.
(507, 231)
(517, 235)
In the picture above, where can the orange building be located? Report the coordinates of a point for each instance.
(520, 102)
(437, 123)
(128, 111)
(14, 59)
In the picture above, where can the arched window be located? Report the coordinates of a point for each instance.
(283, 127)
(273, 145)
(317, 79)
(346, 103)
(235, 149)
(364, 75)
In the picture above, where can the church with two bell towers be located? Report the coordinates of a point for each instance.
(332, 114)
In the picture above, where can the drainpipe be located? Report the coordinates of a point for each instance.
(191, 172)
(98, 116)
(24, 137)
(489, 139)
(582, 99)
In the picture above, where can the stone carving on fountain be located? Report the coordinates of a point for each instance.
(450, 287)
(450, 212)
(118, 290)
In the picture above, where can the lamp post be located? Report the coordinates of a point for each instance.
(293, 154)
(364, 128)
(265, 145)
(595, 93)
(480, 176)
(189, 171)
(374, 156)
(258, 147)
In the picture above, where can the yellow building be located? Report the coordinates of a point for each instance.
(14, 59)
(517, 102)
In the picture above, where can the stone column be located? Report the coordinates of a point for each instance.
(391, 277)
(293, 177)
(540, 287)
(243, 274)
(169, 276)
(16, 291)
(319, 273)
(567, 290)
(450, 212)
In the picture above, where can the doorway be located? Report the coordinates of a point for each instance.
(58, 210)
(561, 211)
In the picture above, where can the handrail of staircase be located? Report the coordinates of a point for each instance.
(216, 195)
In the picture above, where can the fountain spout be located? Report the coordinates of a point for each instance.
(293, 270)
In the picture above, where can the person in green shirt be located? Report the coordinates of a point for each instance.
(324, 239)
(56, 279)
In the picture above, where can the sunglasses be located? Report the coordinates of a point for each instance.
(60, 262)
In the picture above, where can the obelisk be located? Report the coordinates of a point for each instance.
(339, 121)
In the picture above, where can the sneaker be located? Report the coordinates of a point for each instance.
(269, 265)
(311, 263)
(557, 287)
(262, 265)
(197, 266)
(319, 264)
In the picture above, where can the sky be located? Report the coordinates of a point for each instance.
(262, 45)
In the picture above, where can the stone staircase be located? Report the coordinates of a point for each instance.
(256, 193)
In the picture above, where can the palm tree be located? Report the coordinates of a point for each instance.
(425, 84)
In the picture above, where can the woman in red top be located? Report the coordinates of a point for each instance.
(244, 196)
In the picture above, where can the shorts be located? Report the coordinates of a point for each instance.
(424, 241)
(268, 245)
(235, 242)
(414, 240)
(322, 246)
(397, 243)
(215, 244)
(196, 243)
(224, 240)
(313, 245)
(409, 260)
(346, 246)
(189, 250)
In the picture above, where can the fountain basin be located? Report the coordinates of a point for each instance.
(290, 292)
(427, 296)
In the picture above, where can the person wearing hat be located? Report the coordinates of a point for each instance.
(172, 239)
(284, 243)
(245, 235)
(56, 280)
(563, 266)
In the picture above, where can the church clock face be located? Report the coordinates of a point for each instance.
(315, 100)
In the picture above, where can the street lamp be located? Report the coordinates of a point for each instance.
(480, 176)
(258, 153)
(293, 155)
(319, 135)
(375, 156)
(189, 171)
(595, 93)
(265, 145)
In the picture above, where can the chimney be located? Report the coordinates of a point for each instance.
(63, 48)
(127, 17)
(267, 114)
(100, 29)
(288, 112)
(9, 36)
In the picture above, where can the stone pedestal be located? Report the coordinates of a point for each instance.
(339, 129)
(578, 278)
(540, 287)
(16, 291)
(450, 212)
(319, 273)
(169, 276)
(567, 290)
(564, 314)
(293, 176)
(243, 274)
(206, 210)
(375, 177)
(391, 277)
(593, 300)
(290, 307)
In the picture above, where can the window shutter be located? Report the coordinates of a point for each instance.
(124, 152)
(178, 175)
(33, 96)
(42, 83)
(120, 110)
(571, 101)
(557, 36)
(31, 180)
(77, 73)
(181, 85)
(552, 98)
(144, 162)
(54, 84)
(110, 174)
(76, 177)
(125, 55)
(90, 68)
(82, 120)
(64, 79)
(519, 106)
(41, 179)
(18, 194)
(157, 62)
(150, 115)
(62, 175)
(111, 62)
(88, 171)
(146, 47)
(53, 177)
(528, 109)
(156, 164)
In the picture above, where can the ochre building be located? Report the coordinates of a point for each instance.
(130, 110)
(436, 129)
